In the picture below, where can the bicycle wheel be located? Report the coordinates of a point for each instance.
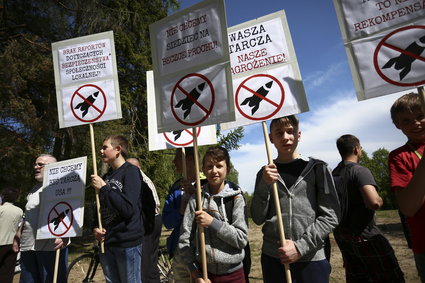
(85, 268)
(164, 266)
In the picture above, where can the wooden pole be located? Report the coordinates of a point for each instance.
(55, 272)
(199, 204)
(184, 169)
(276, 202)
(93, 151)
(421, 92)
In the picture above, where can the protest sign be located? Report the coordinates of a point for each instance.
(180, 138)
(384, 42)
(62, 199)
(266, 78)
(86, 80)
(190, 57)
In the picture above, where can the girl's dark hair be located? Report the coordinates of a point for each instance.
(218, 153)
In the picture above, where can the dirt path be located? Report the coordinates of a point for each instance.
(390, 226)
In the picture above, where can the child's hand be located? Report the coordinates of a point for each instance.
(99, 234)
(270, 173)
(289, 253)
(97, 182)
(203, 218)
(197, 277)
(61, 243)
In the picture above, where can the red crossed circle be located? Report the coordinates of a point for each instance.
(101, 111)
(207, 111)
(61, 219)
(198, 132)
(277, 105)
(402, 51)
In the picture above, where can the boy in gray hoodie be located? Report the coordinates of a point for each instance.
(309, 205)
(225, 235)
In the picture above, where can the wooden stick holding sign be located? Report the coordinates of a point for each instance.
(421, 92)
(55, 272)
(184, 169)
(276, 202)
(199, 205)
(99, 218)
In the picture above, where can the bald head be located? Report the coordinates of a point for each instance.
(41, 161)
(134, 161)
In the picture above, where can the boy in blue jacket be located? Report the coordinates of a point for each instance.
(174, 208)
(309, 204)
(119, 194)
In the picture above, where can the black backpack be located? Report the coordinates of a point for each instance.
(339, 175)
(148, 204)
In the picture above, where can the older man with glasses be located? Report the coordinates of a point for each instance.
(38, 256)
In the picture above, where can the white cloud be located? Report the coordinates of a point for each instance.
(318, 78)
(368, 120)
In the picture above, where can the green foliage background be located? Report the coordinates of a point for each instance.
(28, 110)
(378, 165)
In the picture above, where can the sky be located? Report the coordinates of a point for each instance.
(334, 108)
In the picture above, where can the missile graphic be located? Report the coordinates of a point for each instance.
(177, 134)
(58, 219)
(254, 100)
(85, 105)
(404, 61)
(186, 103)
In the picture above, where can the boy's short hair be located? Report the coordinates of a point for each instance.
(285, 121)
(119, 140)
(346, 144)
(10, 194)
(407, 103)
(218, 153)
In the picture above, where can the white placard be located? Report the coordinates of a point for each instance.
(266, 78)
(192, 68)
(86, 80)
(181, 138)
(62, 199)
(385, 43)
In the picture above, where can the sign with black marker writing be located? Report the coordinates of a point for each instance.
(86, 80)
(191, 66)
(62, 199)
(266, 78)
(385, 43)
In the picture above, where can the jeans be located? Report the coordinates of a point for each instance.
(122, 264)
(309, 271)
(38, 266)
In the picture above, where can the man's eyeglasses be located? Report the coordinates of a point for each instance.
(39, 164)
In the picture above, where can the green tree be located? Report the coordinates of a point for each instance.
(28, 106)
(378, 165)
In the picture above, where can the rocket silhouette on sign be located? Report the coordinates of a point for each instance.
(85, 105)
(58, 219)
(186, 103)
(177, 134)
(254, 100)
(404, 61)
